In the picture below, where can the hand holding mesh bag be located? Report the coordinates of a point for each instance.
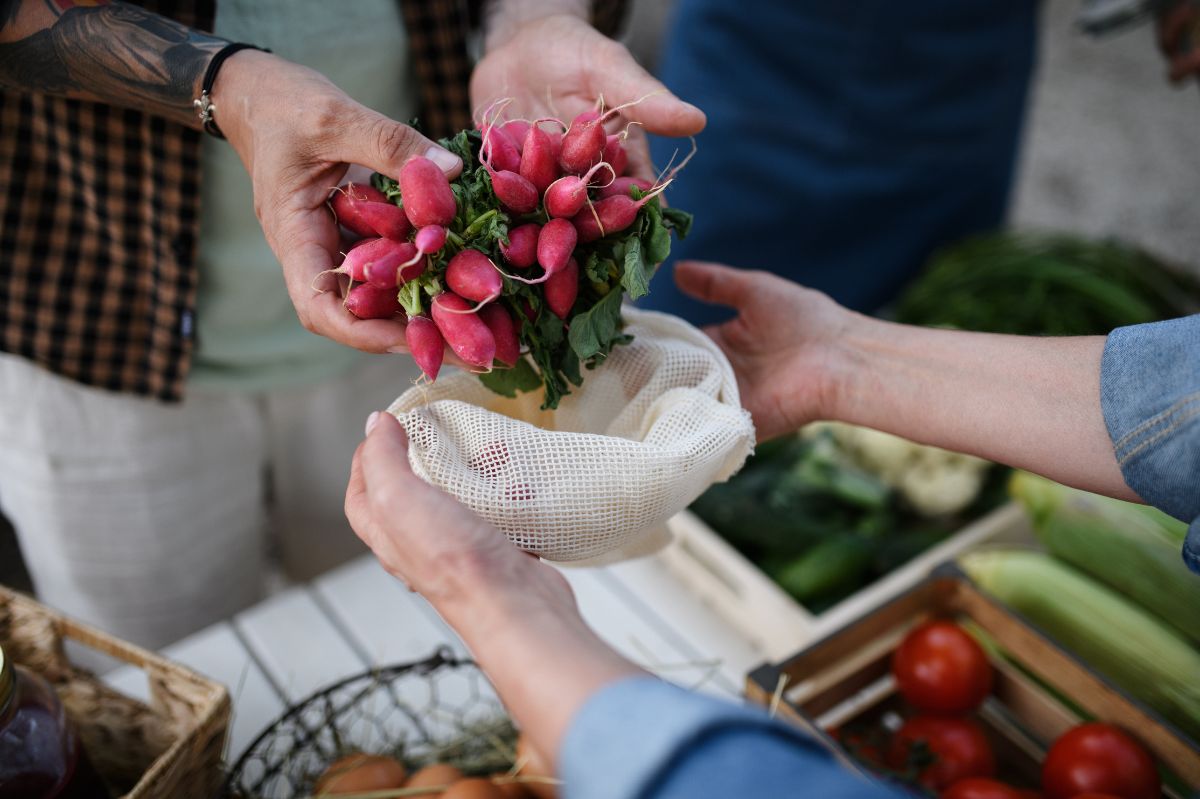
(596, 478)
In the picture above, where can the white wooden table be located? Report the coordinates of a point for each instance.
(355, 617)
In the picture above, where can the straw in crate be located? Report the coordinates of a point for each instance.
(169, 749)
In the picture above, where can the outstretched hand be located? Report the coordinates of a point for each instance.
(297, 134)
(559, 65)
(783, 345)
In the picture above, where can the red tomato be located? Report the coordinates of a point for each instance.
(940, 669)
(984, 788)
(1099, 758)
(959, 747)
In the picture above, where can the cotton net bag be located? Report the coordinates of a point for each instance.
(595, 480)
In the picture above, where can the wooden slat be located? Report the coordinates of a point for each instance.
(386, 622)
(670, 607)
(626, 630)
(297, 644)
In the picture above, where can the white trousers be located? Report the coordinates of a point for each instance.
(152, 520)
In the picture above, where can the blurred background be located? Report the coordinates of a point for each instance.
(1109, 148)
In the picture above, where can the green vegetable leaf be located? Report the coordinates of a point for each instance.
(594, 331)
(410, 298)
(507, 382)
(636, 279)
(679, 221)
(656, 241)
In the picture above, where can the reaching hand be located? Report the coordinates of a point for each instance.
(426, 538)
(297, 134)
(784, 344)
(559, 65)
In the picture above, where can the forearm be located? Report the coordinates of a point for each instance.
(1032, 403)
(535, 647)
(113, 53)
(502, 18)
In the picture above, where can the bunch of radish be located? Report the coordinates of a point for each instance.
(518, 265)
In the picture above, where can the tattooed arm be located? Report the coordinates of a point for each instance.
(295, 131)
(114, 53)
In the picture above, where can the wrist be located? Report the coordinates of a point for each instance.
(504, 18)
(234, 88)
(848, 368)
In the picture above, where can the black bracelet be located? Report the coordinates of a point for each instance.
(204, 105)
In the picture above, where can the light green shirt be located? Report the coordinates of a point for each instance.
(247, 333)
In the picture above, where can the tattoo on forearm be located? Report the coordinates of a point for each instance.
(119, 54)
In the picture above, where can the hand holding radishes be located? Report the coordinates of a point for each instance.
(558, 65)
(518, 266)
(294, 158)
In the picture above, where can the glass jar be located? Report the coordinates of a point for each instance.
(40, 755)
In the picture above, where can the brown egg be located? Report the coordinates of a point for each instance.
(534, 765)
(360, 772)
(434, 774)
(510, 790)
(473, 788)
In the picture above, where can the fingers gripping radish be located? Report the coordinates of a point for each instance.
(428, 199)
(504, 330)
(562, 288)
(472, 275)
(371, 302)
(426, 344)
(465, 332)
(556, 242)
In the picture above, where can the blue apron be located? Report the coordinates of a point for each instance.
(846, 140)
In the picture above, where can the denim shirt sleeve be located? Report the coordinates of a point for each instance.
(642, 738)
(1150, 395)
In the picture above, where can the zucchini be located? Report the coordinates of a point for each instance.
(1117, 638)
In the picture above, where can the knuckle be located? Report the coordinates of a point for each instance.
(393, 140)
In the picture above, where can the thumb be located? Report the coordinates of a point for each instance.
(383, 144)
(385, 451)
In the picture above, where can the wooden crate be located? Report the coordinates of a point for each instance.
(169, 749)
(845, 677)
(775, 623)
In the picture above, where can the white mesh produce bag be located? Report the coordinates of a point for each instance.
(596, 479)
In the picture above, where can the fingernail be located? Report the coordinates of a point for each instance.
(371, 421)
(445, 159)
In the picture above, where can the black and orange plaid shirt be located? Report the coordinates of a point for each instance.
(99, 213)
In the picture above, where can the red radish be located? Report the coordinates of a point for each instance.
(514, 191)
(371, 302)
(539, 159)
(622, 186)
(499, 150)
(366, 211)
(556, 242)
(582, 144)
(521, 251)
(610, 215)
(464, 331)
(430, 239)
(360, 258)
(615, 155)
(504, 330)
(516, 130)
(426, 192)
(398, 266)
(426, 344)
(472, 275)
(561, 289)
(567, 195)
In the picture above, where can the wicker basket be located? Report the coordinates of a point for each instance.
(170, 749)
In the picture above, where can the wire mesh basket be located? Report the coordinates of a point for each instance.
(438, 710)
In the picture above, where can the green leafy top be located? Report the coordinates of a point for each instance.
(622, 262)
